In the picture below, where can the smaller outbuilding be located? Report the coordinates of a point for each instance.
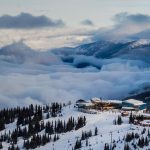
(133, 104)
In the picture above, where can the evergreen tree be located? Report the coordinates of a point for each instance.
(131, 118)
(77, 144)
(136, 135)
(141, 142)
(87, 142)
(143, 131)
(126, 147)
(2, 124)
(1, 146)
(83, 136)
(119, 120)
(17, 148)
(106, 147)
(96, 131)
(146, 142)
(90, 133)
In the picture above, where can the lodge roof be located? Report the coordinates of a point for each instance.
(134, 102)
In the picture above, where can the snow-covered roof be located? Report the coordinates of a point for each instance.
(95, 99)
(145, 122)
(134, 102)
(81, 101)
(146, 115)
(115, 101)
(128, 108)
(88, 104)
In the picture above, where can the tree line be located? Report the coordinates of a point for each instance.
(50, 128)
(28, 114)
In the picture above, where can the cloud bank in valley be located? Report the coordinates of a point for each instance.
(47, 84)
(33, 82)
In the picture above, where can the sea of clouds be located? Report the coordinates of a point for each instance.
(45, 78)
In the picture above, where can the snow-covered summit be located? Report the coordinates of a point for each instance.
(141, 42)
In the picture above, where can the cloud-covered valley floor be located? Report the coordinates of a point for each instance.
(28, 76)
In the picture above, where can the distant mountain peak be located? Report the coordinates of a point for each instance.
(139, 43)
(16, 47)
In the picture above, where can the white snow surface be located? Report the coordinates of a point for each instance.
(102, 120)
(140, 42)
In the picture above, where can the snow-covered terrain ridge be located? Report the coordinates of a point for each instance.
(133, 50)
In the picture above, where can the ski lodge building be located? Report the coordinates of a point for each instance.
(99, 104)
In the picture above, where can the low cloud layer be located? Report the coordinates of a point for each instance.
(125, 18)
(87, 22)
(64, 83)
(36, 82)
(131, 23)
(125, 26)
(28, 21)
(43, 38)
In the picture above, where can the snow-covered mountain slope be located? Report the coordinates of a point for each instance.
(103, 121)
(101, 49)
(20, 53)
(99, 54)
(138, 50)
(140, 43)
(134, 50)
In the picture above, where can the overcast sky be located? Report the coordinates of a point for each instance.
(73, 11)
(69, 16)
